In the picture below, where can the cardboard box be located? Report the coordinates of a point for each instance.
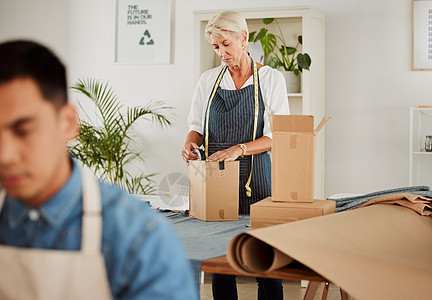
(214, 190)
(293, 157)
(267, 213)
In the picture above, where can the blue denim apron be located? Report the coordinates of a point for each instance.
(231, 118)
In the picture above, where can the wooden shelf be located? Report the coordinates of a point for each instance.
(295, 95)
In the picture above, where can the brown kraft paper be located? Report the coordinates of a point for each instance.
(375, 252)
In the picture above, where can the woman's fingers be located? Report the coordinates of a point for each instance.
(229, 154)
(187, 153)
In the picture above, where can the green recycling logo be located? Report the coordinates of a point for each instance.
(146, 39)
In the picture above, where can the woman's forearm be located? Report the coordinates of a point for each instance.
(260, 145)
(194, 137)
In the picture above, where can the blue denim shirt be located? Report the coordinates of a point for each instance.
(144, 257)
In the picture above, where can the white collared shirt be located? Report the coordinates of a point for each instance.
(273, 90)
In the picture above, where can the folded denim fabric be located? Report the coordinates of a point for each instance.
(348, 203)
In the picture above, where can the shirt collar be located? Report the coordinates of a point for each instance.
(55, 210)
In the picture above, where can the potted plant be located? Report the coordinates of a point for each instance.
(104, 144)
(285, 57)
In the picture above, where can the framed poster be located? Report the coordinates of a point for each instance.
(422, 34)
(143, 32)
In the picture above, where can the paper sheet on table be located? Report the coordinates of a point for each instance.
(169, 202)
(376, 252)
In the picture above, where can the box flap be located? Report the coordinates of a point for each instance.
(292, 123)
(321, 124)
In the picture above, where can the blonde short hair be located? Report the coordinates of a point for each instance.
(229, 21)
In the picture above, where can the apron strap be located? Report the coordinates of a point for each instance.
(215, 87)
(92, 214)
(255, 75)
(2, 198)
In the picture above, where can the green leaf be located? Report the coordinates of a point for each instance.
(103, 97)
(251, 36)
(268, 43)
(289, 50)
(267, 20)
(304, 61)
(262, 33)
(300, 39)
(274, 62)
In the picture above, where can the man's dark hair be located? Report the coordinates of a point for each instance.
(27, 59)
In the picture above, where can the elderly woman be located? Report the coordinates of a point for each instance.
(229, 116)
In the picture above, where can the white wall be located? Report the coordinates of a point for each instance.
(369, 83)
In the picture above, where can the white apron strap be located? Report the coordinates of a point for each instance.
(92, 213)
(2, 198)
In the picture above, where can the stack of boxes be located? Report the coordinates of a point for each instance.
(213, 186)
(293, 174)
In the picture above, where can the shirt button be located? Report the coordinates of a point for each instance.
(34, 215)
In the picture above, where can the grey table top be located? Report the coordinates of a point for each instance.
(203, 240)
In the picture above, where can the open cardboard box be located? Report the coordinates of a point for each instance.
(267, 213)
(213, 190)
(293, 157)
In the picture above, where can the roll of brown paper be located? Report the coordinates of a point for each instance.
(249, 254)
(375, 252)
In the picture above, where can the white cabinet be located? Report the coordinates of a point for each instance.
(420, 161)
(294, 21)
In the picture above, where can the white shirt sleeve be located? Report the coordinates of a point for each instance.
(200, 98)
(273, 90)
(274, 93)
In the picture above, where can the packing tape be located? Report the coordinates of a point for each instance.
(221, 168)
(200, 153)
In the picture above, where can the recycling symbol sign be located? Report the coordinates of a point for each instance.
(146, 39)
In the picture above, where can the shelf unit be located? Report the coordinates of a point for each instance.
(294, 21)
(420, 161)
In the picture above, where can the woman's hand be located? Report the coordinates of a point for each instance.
(192, 140)
(187, 153)
(229, 154)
